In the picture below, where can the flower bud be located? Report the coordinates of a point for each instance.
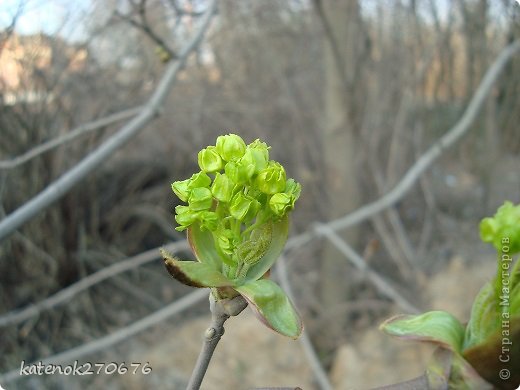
(224, 241)
(271, 180)
(184, 217)
(209, 160)
(243, 207)
(230, 147)
(280, 203)
(208, 220)
(238, 172)
(293, 188)
(180, 188)
(222, 188)
(200, 199)
(199, 179)
(256, 155)
(503, 230)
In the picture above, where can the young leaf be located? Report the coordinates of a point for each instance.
(499, 351)
(483, 318)
(272, 307)
(280, 231)
(195, 274)
(435, 326)
(203, 246)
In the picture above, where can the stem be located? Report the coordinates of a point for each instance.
(221, 310)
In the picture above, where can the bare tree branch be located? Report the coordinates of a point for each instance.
(72, 177)
(69, 136)
(312, 357)
(145, 27)
(64, 295)
(381, 284)
(6, 34)
(119, 335)
(428, 158)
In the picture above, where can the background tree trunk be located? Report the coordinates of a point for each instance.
(343, 43)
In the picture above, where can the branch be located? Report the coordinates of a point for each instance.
(428, 158)
(146, 29)
(64, 295)
(72, 177)
(381, 284)
(69, 136)
(122, 334)
(220, 311)
(314, 361)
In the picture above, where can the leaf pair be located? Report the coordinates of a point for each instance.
(268, 301)
(473, 364)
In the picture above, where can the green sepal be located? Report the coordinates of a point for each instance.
(438, 327)
(193, 273)
(279, 234)
(272, 307)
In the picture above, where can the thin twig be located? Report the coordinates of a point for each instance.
(381, 284)
(220, 311)
(429, 157)
(69, 136)
(314, 361)
(122, 334)
(72, 177)
(64, 295)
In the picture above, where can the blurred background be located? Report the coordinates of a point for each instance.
(348, 93)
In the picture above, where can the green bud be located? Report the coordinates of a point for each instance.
(293, 188)
(224, 241)
(257, 155)
(238, 172)
(199, 179)
(180, 188)
(230, 147)
(243, 207)
(271, 180)
(209, 160)
(280, 203)
(208, 220)
(200, 199)
(184, 217)
(222, 188)
(503, 230)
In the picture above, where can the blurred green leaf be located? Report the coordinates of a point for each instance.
(272, 307)
(483, 320)
(438, 327)
(499, 351)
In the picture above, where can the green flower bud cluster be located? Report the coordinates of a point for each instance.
(503, 230)
(237, 191)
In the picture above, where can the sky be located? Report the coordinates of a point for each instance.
(66, 17)
(48, 16)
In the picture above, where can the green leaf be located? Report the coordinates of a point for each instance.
(483, 319)
(194, 274)
(280, 232)
(499, 351)
(272, 307)
(438, 327)
(203, 246)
